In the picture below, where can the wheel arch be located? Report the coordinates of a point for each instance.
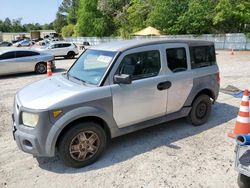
(206, 91)
(194, 95)
(95, 119)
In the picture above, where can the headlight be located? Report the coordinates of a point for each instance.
(30, 119)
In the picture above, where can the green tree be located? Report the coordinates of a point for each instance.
(7, 25)
(59, 22)
(165, 14)
(232, 16)
(68, 31)
(138, 13)
(122, 23)
(198, 19)
(91, 21)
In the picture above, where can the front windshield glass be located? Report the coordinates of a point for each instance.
(91, 66)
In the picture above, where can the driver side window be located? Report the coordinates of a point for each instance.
(141, 65)
(177, 59)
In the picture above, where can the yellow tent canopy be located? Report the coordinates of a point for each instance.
(148, 31)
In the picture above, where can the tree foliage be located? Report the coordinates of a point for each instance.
(91, 22)
(15, 25)
(123, 17)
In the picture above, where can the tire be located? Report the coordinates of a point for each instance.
(243, 181)
(201, 109)
(41, 68)
(70, 55)
(76, 150)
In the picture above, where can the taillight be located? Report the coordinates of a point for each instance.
(218, 78)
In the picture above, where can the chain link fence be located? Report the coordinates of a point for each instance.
(236, 41)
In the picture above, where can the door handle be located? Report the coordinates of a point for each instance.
(164, 85)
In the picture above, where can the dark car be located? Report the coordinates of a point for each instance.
(5, 44)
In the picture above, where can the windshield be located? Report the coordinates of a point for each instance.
(91, 66)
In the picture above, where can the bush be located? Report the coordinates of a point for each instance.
(68, 31)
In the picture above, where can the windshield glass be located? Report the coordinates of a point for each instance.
(91, 66)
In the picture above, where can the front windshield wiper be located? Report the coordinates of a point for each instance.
(68, 75)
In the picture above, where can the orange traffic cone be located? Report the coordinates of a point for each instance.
(232, 51)
(242, 125)
(49, 71)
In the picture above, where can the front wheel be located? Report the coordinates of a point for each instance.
(82, 145)
(243, 181)
(200, 111)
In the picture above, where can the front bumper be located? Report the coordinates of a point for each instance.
(28, 143)
(32, 140)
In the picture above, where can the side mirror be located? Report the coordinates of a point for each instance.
(122, 79)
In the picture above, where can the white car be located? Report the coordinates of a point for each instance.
(24, 60)
(61, 49)
(23, 43)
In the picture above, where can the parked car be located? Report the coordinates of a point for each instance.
(114, 89)
(17, 61)
(5, 44)
(61, 49)
(84, 45)
(23, 43)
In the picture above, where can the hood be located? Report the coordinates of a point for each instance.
(50, 93)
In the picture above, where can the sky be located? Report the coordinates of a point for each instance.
(31, 11)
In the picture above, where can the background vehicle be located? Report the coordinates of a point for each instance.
(23, 43)
(114, 89)
(5, 44)
(61, 49)
(17, 61)
(242, 165)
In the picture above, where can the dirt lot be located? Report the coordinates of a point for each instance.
(174, 154)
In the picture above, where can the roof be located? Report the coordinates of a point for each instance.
(9, 49)
(124, 45)
(148, 31)
(60, 42)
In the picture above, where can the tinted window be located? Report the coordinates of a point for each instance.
(202, 56)
(8, 55)
(177, 59)
(65, 45)
(56, 46)
(141, 65)
(25, 53)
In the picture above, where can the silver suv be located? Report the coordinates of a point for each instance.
(114, 89)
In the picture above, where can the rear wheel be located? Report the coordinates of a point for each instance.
(82, 145)
(41, 68)
(71, 55)
(243, 181)
(200, 111)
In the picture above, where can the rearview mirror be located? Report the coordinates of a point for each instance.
(122, 79)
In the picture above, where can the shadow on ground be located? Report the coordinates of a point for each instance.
(128, 146)
(19, 75)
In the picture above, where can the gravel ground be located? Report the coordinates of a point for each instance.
(174, 154)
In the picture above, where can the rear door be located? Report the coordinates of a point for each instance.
(180, 75)
(65, 48)
(7, 63)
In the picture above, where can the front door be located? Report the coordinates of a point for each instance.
(146, 97)
(8, 63)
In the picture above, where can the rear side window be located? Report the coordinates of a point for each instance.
(8, 55)
(25, 54)
(65, 45)
(202, 56)
(141, 65)
(177, 59)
